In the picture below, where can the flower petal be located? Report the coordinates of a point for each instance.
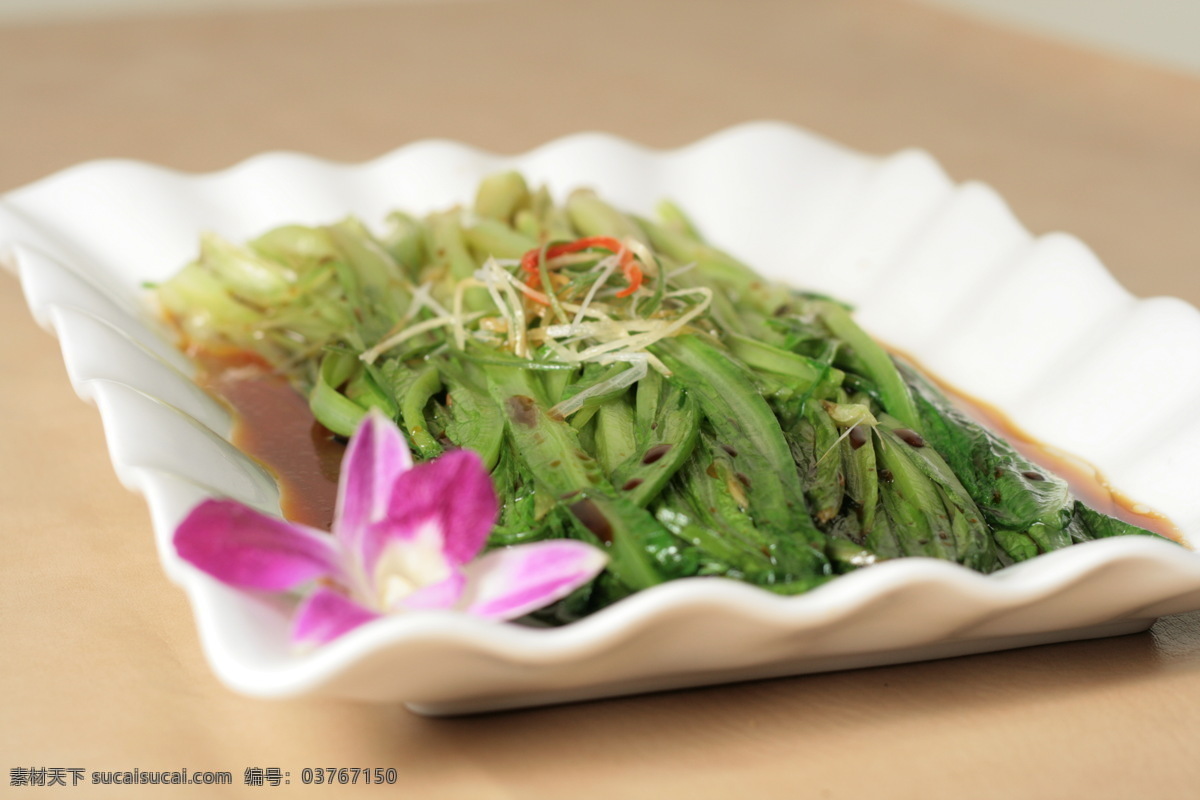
(453, 495)
(251, 550)
(325, 615)
(376, 456)
(512, 581)
(443, 594)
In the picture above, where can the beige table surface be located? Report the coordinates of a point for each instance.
(99, 663)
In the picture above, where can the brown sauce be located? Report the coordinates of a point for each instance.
(273, 424)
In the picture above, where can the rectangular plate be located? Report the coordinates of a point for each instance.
(1036, 327)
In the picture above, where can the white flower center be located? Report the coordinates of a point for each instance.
(407, 565)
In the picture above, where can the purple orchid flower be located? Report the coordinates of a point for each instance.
(404, 538)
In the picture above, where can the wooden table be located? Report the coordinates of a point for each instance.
(100, 666)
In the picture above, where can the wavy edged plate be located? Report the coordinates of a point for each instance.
(943, 271)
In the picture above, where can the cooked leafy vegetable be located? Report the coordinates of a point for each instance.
(630, 385)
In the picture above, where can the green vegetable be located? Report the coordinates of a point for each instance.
(629, 384)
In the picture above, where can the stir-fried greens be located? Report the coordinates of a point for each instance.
(630, 385)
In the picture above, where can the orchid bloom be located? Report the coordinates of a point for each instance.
(404, 539)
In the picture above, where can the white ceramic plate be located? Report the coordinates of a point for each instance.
(943, 271)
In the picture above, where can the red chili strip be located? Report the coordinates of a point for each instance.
(629, 266)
